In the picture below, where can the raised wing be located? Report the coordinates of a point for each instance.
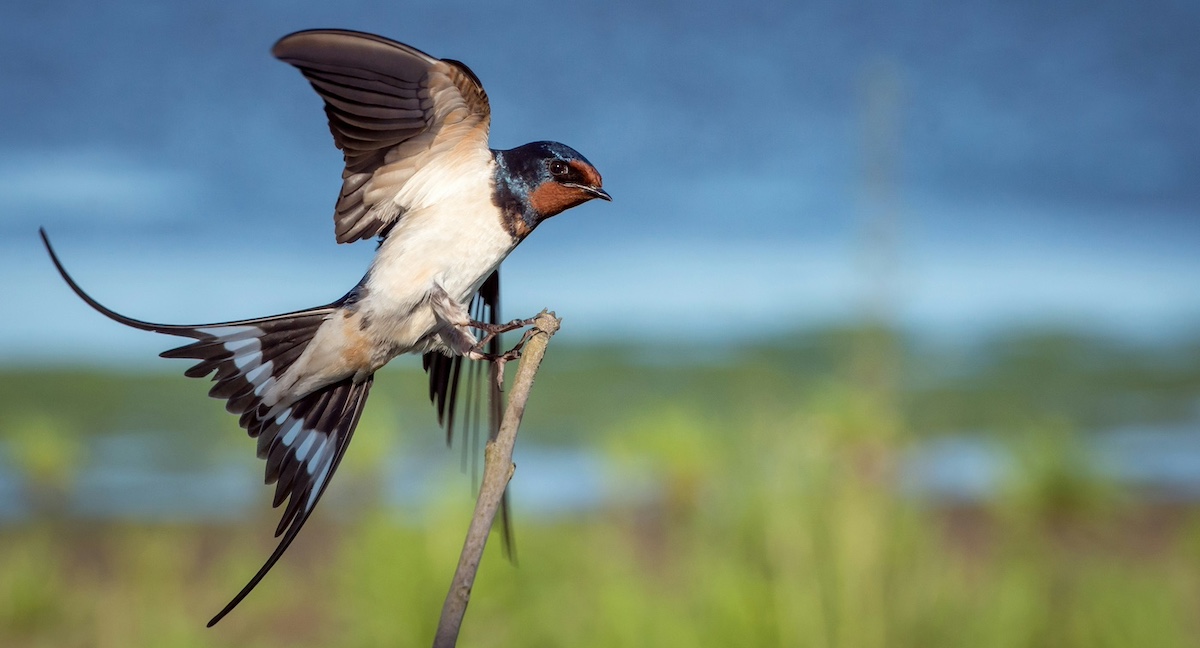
(393, 110)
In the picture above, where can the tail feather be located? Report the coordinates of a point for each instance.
(305, 443)
(245, 357)
(248, 356)
(302, 441)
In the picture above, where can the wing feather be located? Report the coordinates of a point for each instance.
(391, 107)
(304, 442)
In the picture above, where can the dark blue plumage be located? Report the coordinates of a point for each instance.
(541, 179)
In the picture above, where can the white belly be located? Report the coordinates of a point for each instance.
(451, 235)
(454, 246)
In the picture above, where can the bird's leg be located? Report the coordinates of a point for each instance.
(477, 353)
(454, 323)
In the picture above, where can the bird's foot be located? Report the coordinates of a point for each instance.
(500, 359)
(492, 330)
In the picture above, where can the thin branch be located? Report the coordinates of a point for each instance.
(498, 469)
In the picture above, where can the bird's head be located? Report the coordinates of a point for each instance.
(548, 178)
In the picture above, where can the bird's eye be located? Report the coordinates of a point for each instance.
(558, 168)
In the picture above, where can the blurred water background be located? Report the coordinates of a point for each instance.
(891, 336)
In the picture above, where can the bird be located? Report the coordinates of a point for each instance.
(446, 209)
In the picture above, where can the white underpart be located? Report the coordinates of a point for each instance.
(451, 235)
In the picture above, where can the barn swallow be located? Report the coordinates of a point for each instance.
(447, 209)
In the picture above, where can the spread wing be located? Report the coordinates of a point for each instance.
(393, 110)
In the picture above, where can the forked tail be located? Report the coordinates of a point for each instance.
(303, 440)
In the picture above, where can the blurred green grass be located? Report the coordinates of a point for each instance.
(778, 519)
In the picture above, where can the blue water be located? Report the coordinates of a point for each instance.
(152, 478)
(144, 477)
(1040, 162)
(1157, 463)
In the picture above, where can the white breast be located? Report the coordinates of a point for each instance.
(451, 235)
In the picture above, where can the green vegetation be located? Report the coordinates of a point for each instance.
(777, 519)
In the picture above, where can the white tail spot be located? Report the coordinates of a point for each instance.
(248, 360)
(309, 439)
(292, 431)
(256, 376)
(316, 487)
(262, 389)
(238, 347)
(317, 455)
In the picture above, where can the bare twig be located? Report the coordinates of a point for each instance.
(498, 468)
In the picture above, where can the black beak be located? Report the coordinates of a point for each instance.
(594, 192)
(597, 192)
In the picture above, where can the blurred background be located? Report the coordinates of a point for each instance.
(891, 336)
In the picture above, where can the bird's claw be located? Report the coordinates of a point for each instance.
(492, 330)
(500, 359)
